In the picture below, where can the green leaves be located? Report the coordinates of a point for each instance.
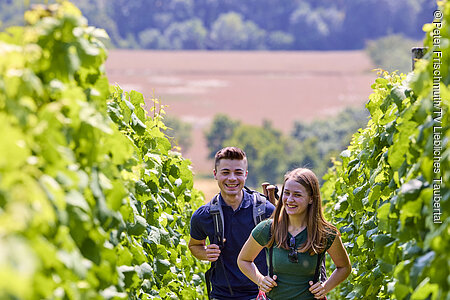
(139, 227)
(93, 204)
(386, 191)
(12, 145)
(160, 196)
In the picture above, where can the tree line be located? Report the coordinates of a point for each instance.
(245, 25)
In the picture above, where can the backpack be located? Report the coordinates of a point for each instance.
(259, 214)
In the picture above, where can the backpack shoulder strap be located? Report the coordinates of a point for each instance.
(271, 262)
(320, 268)
(323, 270)
(217, 214)
(259, 205)
(270, 266)
(259, 208)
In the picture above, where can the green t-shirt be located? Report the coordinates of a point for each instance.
(292, 278)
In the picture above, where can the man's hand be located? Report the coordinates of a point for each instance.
(212, 252)
(201, 251)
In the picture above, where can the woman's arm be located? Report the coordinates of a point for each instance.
(343, 268)
(248, 253)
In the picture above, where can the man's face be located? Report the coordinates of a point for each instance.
(231, 175)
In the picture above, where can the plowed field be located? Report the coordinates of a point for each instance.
(250, 86)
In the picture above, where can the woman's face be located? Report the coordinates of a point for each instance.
(295, 198)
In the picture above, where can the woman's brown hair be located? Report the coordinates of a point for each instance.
(318, 228)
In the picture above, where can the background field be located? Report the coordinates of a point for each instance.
(80, 219)
(249, 86)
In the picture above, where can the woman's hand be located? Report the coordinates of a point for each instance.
(317, 289)
(265, 283)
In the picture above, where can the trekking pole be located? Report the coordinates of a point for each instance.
(271, 194)
(264, 187)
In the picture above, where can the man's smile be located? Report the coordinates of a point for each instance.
(231, 185)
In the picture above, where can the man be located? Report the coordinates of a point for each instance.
(227, 280)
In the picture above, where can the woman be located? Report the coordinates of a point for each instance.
(297, 233)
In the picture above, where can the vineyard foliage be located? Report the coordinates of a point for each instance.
(389, 195)
(93, 202)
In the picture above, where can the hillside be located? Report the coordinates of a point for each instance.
(250, 86)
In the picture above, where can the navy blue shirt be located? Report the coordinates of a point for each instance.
(238, 227)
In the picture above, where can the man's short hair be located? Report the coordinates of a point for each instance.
(229, 153)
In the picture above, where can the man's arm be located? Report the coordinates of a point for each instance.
(199, 249)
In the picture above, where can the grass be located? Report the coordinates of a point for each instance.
(207, 185)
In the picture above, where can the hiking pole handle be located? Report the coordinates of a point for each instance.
(271, 194)
(264, 187)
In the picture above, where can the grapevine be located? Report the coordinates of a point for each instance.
(383, 194)
(93, 203)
